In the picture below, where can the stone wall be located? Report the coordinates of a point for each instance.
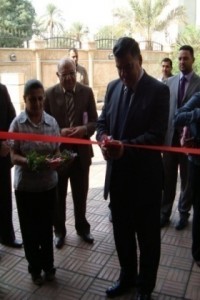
(19, 65)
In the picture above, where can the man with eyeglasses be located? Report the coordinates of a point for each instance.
(135, 113)
(73, 106)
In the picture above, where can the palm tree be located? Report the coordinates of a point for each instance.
(149, 16)
(77, 31)
(52, 21)
(126, 18)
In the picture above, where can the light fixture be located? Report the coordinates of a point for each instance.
(13, 57)
(110, 56)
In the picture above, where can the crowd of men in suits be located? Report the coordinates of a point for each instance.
(138, 110)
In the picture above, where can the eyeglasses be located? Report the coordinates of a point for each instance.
(65, 76)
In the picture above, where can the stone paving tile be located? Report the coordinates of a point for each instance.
(109, 273)
(105, 248)
(166, 260)
(99, 258)
(177, 275)
(162, 272)
(3, 270)
(166, 297)
(85, 271)
(90, 269)
(193, 288)
(13, 294)
(168, 249)
(103, 227)
(182, 263)
(71, 264)
(51, 290)
(12, 251)
(35, 297)
(177, 241)
(98, 288)
(69, 293)
(63, 277)
(172, 288)
(9, 261)
(183, 252)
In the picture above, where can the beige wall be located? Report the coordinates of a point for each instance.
(41, 63)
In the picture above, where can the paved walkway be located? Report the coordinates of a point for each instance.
(85, 271)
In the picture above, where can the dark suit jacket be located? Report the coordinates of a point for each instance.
(173, 83)
(146, 123)
(7, 114)
(55, 105)
(7, 111)
(189, 115)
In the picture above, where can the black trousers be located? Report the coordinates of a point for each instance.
(79, 180)
(36, 221)
(171, 162)
(6, 225)
(135, 210)
(194, 171)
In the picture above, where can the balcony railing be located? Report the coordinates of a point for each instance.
(62, 43)
(151, 46)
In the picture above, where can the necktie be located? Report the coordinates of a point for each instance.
(181, 90)
(70, 107)
(123, 109)
(126, 102)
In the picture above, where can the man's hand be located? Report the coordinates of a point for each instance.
(186, 140)
(54, 163)
(78, 131)
(4, 149)
(66, 131)
(111, 149)
(190, 143)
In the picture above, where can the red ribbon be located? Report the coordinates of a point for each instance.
(69, 140)
(43, 138)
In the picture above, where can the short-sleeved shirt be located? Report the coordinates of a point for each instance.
(24, 178)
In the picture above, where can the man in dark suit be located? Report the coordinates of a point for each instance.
(7, 114)
(174, 161)
(134, 175)
(77, 121)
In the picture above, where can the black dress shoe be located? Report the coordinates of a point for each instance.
(13, 244)
(182, 223)
(87, 237)
(37, 279)
(59, 242)
(142, 296)
(197, 263)
(119, 288)
(50, 275)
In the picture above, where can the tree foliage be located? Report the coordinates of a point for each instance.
(16, 20)
(77, 30)
(125, 20)
(113, 31)
(149, 16)
(51, 23)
